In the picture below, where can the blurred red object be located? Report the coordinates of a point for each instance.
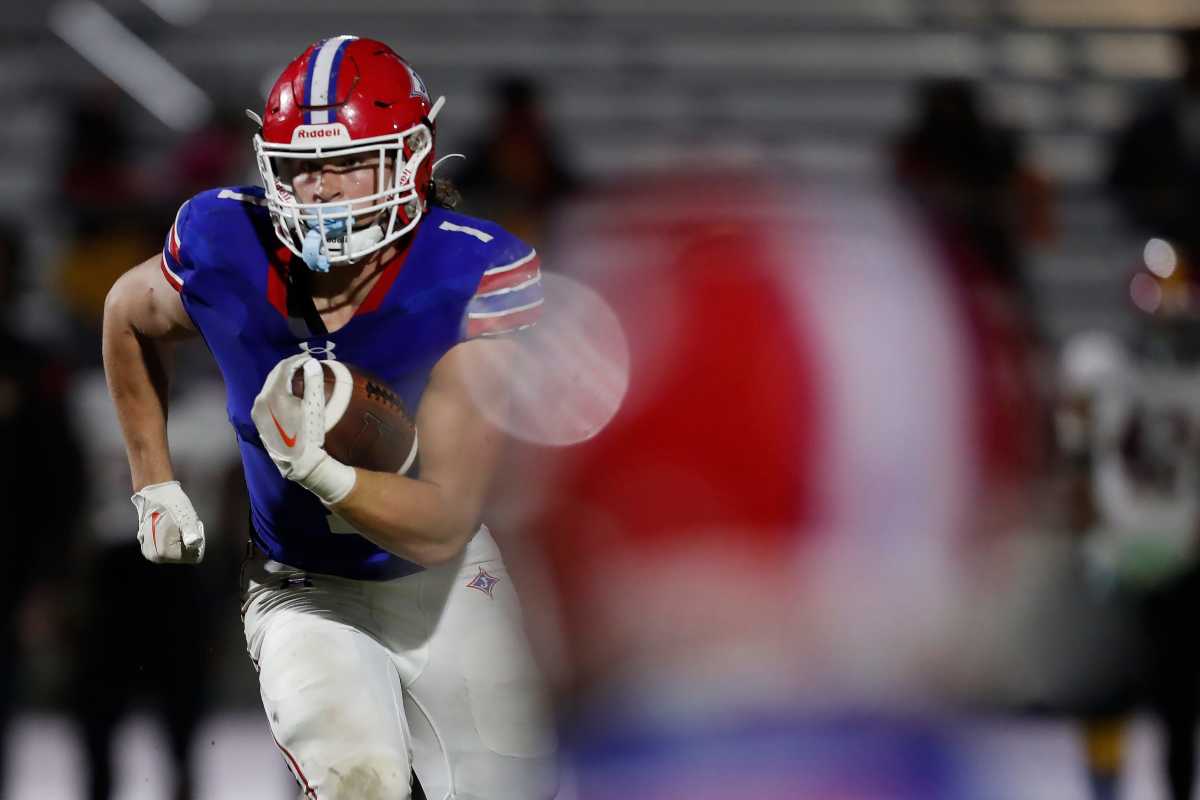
(817, 420)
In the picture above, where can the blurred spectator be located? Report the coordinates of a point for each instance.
(966, 172)
(216, 154)
(1155, 175)
(41, 482)
(99, 180)
(90, 263)
(516, 173)
(112, 216)
(1155, 169)
(1130, 426)
(162, 659)
(983, 206)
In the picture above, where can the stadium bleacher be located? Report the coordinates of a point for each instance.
(819, 86)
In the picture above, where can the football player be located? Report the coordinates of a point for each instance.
(1128, 422)
(377, 610)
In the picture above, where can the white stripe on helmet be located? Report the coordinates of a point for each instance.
(321, 89)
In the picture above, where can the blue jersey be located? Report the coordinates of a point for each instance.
(459, 278)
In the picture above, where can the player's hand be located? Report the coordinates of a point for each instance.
(168, 529)
(293, 430)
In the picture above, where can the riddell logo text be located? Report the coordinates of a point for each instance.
(323, 133)
(317, 133)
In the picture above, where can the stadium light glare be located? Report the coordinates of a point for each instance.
(1145, 292)
(179, 13)
(1160, 257)
(130, 63)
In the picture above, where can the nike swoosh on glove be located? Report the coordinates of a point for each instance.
(169, 530)
(292, 430)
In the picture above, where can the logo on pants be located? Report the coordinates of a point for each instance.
(484, 582)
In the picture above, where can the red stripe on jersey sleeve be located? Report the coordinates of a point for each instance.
(166, 271)
(507, 323)
(510, 278)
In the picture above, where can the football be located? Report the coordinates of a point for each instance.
(366, 423)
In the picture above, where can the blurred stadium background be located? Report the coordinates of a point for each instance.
(1000, 132)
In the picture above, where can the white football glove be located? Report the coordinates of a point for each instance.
(169, 531)
(293, 430)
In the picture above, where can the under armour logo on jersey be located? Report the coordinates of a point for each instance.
(320, 351)
(484, 582)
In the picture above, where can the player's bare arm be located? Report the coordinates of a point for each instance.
(430, 520)
(142, 315)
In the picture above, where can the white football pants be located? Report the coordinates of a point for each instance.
(363, 681)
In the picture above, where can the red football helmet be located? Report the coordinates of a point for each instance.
(347, 95)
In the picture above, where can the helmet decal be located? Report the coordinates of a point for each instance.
(320, 85)
(418, 85)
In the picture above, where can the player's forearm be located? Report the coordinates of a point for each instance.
(136, 370)
(414, 519)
